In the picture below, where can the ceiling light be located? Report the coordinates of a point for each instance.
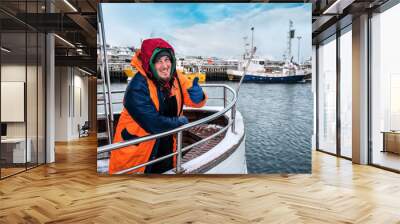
(330, 8)
(338, 6)
(86, 72)
(65, 41)
(70, 5)
(5, 50)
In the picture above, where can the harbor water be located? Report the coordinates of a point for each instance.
(278, 122)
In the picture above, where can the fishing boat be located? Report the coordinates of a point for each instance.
(260, 70)
(191, 72)
(129, 72)
(257, 72)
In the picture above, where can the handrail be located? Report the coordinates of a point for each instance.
(112, 91)
(115, 146)
(103, 79)
(175, 153)
(103, 45)
(179, 131)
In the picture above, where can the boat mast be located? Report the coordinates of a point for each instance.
(252, 38)
(298, 50)
(290, 37)
(245, 47)
(246, 44)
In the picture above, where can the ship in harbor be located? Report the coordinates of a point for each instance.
(266, 71)
(191, 70)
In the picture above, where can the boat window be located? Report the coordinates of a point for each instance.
(261, 62)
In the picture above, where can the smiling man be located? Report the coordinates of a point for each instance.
(162, 63)
(153, 103)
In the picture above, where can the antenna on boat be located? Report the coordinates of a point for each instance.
(252, 51)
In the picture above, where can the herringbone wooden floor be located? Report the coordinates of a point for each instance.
(70, 191)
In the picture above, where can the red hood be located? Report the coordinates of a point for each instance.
(147, 49)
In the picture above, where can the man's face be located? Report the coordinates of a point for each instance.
(163, 67)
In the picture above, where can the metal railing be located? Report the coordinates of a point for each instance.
(101, 101)
(105, 75)
(231, 106)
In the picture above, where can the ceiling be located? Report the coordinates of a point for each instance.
(74, 21)
(332, 15)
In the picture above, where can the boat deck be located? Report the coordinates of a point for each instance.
(201, 132)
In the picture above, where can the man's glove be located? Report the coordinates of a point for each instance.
(196, 92)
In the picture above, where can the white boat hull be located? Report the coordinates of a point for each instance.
(266, 77)
(234, 164)
(231, 149)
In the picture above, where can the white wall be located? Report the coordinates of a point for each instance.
(62, 78)
(80, 110)
(17, 73)
(14, 73)
(33, 126)
(71, 94)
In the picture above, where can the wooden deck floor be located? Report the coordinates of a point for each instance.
(70, 191)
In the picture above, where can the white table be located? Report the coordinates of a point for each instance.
(18, 150)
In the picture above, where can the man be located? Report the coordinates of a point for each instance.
(153, 103)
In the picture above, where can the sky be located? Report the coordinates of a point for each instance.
(211, 29)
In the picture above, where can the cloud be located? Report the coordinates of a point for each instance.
(211, 29)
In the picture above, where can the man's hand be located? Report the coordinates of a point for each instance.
(196, 92)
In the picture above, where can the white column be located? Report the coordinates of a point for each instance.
(360, 90)
(50, 99)
(314, 91)
(50, 92)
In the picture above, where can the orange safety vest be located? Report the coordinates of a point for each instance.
(134, 155)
